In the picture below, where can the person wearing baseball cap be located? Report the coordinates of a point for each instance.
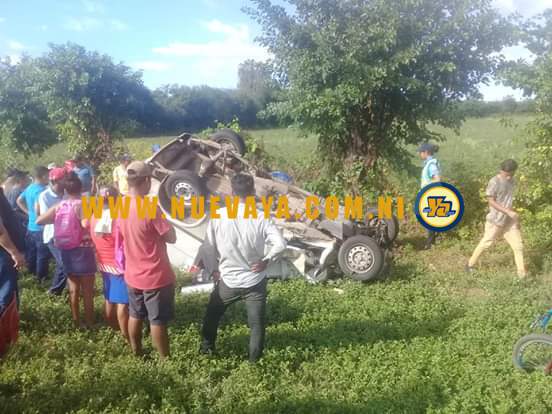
(48, 198)
(120, 174)
(148, 272)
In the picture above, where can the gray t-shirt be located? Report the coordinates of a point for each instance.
(502, 190)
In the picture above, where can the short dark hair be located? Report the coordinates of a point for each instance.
(243, 185)
(41, 171)
(509, 166)
(136, 181)
(72, 184)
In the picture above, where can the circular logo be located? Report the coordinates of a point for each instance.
(439, 206)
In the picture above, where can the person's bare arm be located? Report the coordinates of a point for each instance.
(22, 205)
(7, 243)
(47, 217)
(508, 211)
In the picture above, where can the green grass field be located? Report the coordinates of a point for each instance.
(429, 338)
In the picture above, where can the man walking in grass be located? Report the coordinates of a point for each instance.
(502, 220)
(244, 247)
(148, 272)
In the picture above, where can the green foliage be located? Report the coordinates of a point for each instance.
(92, 100)
(198, 107)
(473, 108)
(24, 124)
(425, 340)
(370, 76)
(255, 81)
(536, 79)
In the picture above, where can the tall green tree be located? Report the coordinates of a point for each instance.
(370, 76)
(255, 81)
(92, 100)
(24, 123)
(535, 78)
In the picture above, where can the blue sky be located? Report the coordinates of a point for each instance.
(186, 42)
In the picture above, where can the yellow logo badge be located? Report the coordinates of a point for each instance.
(439, 206)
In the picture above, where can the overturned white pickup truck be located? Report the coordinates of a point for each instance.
(190, 166)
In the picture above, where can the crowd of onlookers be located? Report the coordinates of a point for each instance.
(42, 220)
(130, 253)
(47, 204)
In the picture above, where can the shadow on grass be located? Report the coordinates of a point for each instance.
(191, 309)
(417, 241)
(423, 396)
(338, 334)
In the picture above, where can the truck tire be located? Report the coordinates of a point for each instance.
(186, 184)
(231, 138)
(360, 258)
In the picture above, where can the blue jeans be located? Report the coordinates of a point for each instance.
(8, 280)
(37, 254)
(60, 278)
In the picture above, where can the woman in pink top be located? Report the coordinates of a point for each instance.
(104, 234)
(78, 261)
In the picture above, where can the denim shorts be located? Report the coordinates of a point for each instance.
(80, 261)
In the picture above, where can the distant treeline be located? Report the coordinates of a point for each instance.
(508, 106)
(198, 107)
(178, 107)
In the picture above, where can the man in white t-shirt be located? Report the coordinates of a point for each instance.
(48, 198)
(244, 247)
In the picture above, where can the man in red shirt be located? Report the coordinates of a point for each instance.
(148, 272)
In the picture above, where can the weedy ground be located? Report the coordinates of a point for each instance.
(427, 338)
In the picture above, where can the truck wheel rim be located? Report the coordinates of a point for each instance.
(184, 190)
(360, 259)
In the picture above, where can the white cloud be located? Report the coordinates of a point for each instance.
(92, 6)
(118, 25)
(526, 8)
(237, 44)
(214, 62)
(2, 19)
(14, 58)
(87, 23)
(15, 45)
(14, 50)
(43, 27)
(82, 24)
(151, 65)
